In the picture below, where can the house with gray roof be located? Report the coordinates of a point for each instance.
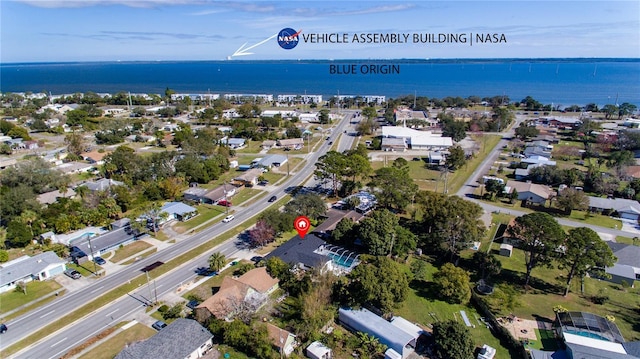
(102, 184)
(626, 208)
(179, 211)
(627, 268)
(25, 269)
(184, 338)
(271, 161)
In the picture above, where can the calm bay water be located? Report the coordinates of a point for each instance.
(564, 82)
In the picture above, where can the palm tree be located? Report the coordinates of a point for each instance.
(28, 217)
(217, 261)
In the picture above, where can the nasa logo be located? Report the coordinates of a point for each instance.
(288, 38)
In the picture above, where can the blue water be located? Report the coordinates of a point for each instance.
(562, 82)
(342, 261)
(587, 334)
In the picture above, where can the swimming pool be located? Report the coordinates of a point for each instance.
(584, 333)
(342, 260)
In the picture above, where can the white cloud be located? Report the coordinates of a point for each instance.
(130, 3)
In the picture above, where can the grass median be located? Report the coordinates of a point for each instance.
(123, 289)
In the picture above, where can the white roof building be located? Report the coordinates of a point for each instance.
(418, 140)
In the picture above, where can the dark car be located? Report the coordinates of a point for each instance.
(256, 259)
(272, 198)
(99, 260)
(3, 328)
(193, 304)
(72, 273)
(158, 325)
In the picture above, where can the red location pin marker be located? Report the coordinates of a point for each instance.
(301, 224)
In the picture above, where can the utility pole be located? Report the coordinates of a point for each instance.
(93, 258)
(226, 201)
(287, 164)
(149, 286)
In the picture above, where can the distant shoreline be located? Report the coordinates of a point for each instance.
(400, 60)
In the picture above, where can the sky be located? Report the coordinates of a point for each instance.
(152, 30)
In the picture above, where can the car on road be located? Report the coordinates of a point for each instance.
(272, 198)
(72, 273)
(158, 325)
(99, 261)
(3, 328)
(228, 218)
(330, 143)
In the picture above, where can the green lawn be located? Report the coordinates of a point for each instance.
(245, 194)
(86, 269)
(111, 347)
(546, 340)
(273, 177)
(422, 308)
(595, 219)
(546, 291)
(625, 240)
(129, 250)
(141, 256)
(35, 289)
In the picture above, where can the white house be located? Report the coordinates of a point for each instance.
(25, 269)
(417, 140)
(317, 350)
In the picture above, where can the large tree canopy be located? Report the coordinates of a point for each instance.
(452, 284)
(541, 236)
(584, 252)
(452, 340)
(378, 281)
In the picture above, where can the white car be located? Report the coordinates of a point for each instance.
(228, 218)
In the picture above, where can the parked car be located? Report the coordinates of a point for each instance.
(228, 218)
(158, 325)
(256, 259)
(72, 273)
(99, 261)
(224, 203)
(272, 198)
(3, 328)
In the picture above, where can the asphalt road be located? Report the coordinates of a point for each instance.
(61, 341)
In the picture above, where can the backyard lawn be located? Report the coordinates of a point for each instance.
(546, 291)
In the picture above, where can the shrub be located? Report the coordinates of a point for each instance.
(163, 308)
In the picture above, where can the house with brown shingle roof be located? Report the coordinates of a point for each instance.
(531, 192)
(282, 340)
(247, 292)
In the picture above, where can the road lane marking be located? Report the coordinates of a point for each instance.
(44, 315)
(108, 314)
(95, 290)
(58, 342)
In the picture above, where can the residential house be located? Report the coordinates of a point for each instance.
(530, 192)
(182, 339)
(25, 269)
(103, 184)
(588, 336)
(400, 343)
(309, 117)
(283, 341)
(75, 167)
(530, 151)
(627, 267)
(235, 143)
(317, 350)
(248, 178)
(538, 160)
(52, 197)
(212, 196)
(291, 143)
(313, 252)
(625, 208)
(250, 292)
(95, 157)
(268, 144)
(31, 145)
(90, 245)
(632, 172)
(271, 161)
(179, 211)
